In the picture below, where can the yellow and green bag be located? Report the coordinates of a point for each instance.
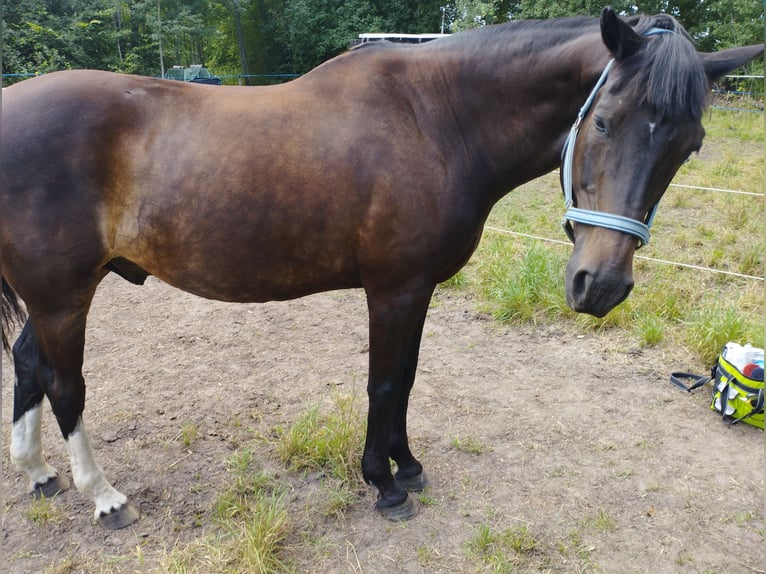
(737, 397)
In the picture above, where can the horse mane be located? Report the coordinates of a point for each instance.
(667, 69)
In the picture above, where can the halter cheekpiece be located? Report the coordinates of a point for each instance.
(639, 229)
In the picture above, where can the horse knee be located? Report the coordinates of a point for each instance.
(68, 405)
(27, 390)
(49, 356)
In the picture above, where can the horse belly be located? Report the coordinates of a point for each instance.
(252, 280)
(248, 254)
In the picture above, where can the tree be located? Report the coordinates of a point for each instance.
(311, 31)
(278, 36)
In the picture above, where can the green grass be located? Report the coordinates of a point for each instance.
(189, 434)
(521, 280)
(330, 442)
(518, 549)
(601, 522)
(44, 512)
(251, 526)
(507, 550)
(251, 515)
(469, 445)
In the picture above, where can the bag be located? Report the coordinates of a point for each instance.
(741, 395)
(737, 396)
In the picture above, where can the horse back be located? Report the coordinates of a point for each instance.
(228, 192)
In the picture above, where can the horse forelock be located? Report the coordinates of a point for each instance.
(668, 70)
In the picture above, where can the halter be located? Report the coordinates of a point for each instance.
(639, 229)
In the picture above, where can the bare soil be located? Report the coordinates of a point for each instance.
(579, 437)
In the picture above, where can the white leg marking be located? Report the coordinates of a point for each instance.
(27, 447)
(89, 477)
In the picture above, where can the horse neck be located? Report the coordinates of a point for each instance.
(513, 109)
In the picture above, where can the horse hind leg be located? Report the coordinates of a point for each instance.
(32, 375)
(63, 356)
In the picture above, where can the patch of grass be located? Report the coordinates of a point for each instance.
(336, 496)
(234, 501)
(651, 330)
(252, 526)
(43, 512)
(506, 550)
(521, 282)
(724, 124)
(189, 434)
(710, 327)
(601, 522)
(256, 541)
(330, 442)
(425, 498)
(468, 444)
(519, 549)
(427, 556)
(577, 545)
(742, 518)
(240, 461)
(67, 565)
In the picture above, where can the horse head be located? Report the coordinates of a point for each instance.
(641, 122)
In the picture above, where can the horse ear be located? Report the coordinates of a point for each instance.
(620, 38)
(718, 64)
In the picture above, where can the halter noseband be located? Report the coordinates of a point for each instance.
(639, 229)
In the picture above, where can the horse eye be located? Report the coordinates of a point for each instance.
(599, 124)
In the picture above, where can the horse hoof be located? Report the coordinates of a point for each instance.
(398, 512)
(50, 488)
(417, 483)
(118, 518)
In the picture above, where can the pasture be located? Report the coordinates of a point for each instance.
(554, 443)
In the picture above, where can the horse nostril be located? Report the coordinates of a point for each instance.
(581, 283)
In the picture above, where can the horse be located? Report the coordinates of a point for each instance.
(376, 170)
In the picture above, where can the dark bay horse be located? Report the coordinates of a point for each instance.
(375, 170)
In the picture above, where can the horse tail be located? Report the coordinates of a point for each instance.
(13, 313)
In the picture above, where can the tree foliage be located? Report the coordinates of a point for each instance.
(292, 36)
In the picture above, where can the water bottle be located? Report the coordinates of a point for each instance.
(734, 353)
(753, 355)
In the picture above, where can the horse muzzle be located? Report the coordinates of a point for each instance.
(596, 286)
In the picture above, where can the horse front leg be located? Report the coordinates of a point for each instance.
(31, 376)
(409, 472)
(62, 338)
(396, 323)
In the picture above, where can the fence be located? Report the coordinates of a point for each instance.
(739, 93)
(494, 229)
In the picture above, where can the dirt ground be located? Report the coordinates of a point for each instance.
(580, 438)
